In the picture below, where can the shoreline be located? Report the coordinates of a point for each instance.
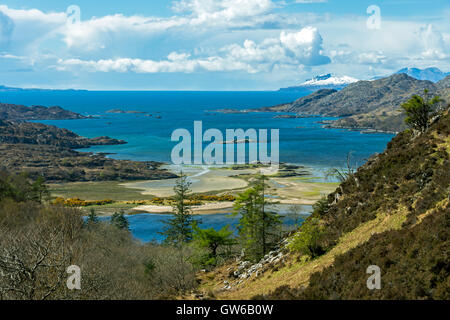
(300, 189)
(304, 187)
(207, 208)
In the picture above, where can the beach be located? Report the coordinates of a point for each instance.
(204, 179)
(207, 208)
(297, 190)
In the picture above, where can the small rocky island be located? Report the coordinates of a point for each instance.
(120, 111)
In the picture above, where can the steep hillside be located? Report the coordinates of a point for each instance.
(444, 88)
(311, 99)
(394, 212)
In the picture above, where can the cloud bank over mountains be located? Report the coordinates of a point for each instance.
(250, 37)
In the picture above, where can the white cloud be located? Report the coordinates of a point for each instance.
(6, 29)
(181, 64)
(33, 15)
(211, 10)
(374, 57)
(202, 36)
(306, 45)
(290, 49)
(433, 43)
(310, 1)
(399, 43)
(96, 33)
(33, 26)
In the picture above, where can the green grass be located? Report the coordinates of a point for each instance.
(97, 191)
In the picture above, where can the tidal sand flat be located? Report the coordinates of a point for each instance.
(210, 180)
(225, 180)
(207, 208)
(203, 179)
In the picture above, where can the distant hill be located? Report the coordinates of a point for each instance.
(41, 134)
(367, 104)
(430, 74)
(18, 112)
(42, 150)
(14, 89)
(327, 81)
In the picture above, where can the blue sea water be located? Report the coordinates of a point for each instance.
(146, 226)
(302, 141)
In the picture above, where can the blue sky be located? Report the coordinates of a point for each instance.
(215, 44)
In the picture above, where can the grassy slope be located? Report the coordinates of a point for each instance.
(97, 191)
(382, 218)
(296, 272)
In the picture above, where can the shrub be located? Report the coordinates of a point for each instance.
(307, 240)
(77, 202)
(119, 221)
(418, 110)
(212, 240)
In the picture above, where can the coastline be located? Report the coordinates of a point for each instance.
(300, 189)
(138, 197)
(207, 208)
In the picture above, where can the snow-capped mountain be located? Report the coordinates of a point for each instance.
(327, 81)
(431, 74)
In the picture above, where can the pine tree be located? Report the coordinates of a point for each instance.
(118, 220)
(258, 228)
(178, 230)
(40, 189)
(92, 218)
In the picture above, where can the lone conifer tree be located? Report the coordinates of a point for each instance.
(178, 230)
(258, 228)
(118, 220)
(40, 189)
(92, 219)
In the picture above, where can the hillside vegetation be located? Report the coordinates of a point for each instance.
(39, 241)
(393, 212)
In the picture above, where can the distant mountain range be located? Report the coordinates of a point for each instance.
(9, 89)
(329, 81)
